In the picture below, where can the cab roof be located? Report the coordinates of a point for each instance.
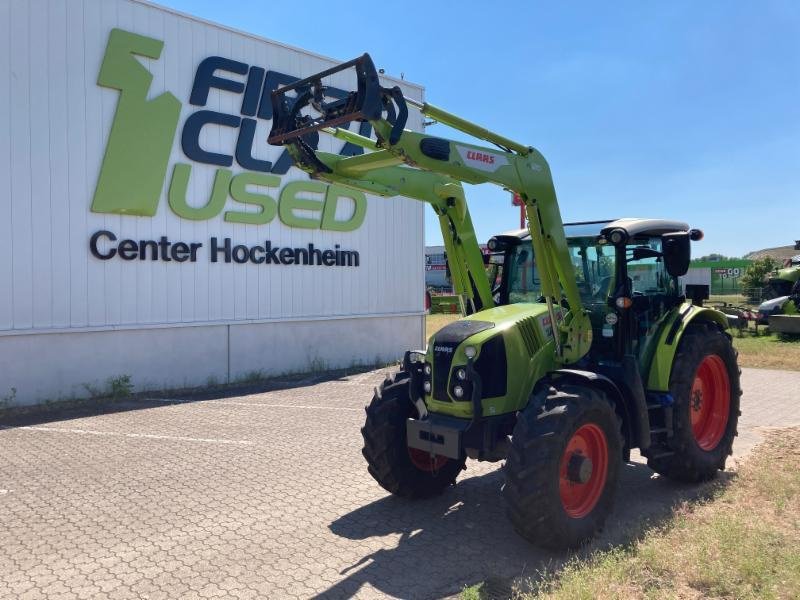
(633, 227)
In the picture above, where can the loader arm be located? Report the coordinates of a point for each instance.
(443, 193)
(513, 166)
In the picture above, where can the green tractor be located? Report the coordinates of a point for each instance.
(781, 309)
(783, 313)
(781, 282)
(583, 349)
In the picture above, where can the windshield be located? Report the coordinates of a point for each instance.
(594, 271)
(523, 277)
(595, 268)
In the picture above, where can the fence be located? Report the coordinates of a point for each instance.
(742, 296)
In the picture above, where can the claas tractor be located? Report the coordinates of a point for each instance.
(781, 281)
(783, 313)
(582, 350)
(782, 307)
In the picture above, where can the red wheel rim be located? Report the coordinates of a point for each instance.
(710, 402)
(424, 462)
(587, 448)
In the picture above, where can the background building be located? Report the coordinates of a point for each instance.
(722, 276)
(149, 230)
(436, 276)
(436, 267)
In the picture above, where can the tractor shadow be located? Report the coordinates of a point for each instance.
(463, 537)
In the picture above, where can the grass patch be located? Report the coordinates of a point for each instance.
(743, 543)
(768, 352)
(435, 322)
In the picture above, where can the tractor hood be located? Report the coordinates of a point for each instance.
(514, 339)
(789, 274)
(532, 318)
(455, 333)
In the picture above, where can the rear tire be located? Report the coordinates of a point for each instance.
(547, 502)
(705, 389)
(401, 470)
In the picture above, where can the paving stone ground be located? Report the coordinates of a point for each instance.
(265, 495)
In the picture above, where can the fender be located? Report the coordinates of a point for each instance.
(670, 337)
(633, 411)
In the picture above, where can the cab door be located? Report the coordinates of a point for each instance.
(653, 291)
(594, 265)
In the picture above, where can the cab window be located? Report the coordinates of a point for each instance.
(594, 269)
(523, 276)
(645, 269)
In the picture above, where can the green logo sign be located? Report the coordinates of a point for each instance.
(140, 143)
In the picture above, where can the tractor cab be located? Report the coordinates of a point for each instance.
(627, 273)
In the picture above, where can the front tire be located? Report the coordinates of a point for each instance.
(705, 388)
(401, 470)
(563, 467)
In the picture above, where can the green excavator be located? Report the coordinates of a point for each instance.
(584, 349)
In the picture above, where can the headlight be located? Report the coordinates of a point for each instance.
(458, 391)
(427, 387)
(461, 374)
(427, 369)
(470, 351)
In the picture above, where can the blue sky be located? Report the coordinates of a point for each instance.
(685, 110)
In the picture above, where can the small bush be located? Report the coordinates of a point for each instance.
(755, 276)
(9, 399)
(252, 377)
(120, 386)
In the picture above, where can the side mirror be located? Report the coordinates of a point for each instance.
(643, 252)
(677, 252)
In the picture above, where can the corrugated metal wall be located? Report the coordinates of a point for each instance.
(54, 123)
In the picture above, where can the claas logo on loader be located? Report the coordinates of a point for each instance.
(475, 155)
(136, 161)
(478, 159)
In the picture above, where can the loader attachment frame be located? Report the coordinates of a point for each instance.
(367, 103)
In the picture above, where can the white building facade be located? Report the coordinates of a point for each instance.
(149, 229)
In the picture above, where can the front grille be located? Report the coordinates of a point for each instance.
(493, 368)
(527, 329)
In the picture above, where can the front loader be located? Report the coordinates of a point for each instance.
(585, 350)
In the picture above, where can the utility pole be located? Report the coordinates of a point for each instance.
(517, 201)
